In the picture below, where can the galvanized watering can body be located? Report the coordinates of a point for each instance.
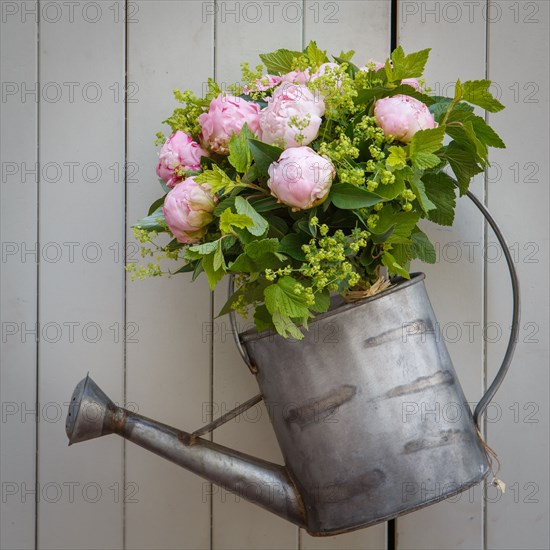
(349, 405)
(367, 409)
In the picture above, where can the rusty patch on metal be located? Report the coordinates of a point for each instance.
(320, 410)
(440, 378)
(446, 437)
(418, 327)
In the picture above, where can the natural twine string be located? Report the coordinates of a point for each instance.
(380, 285)
(492, 457)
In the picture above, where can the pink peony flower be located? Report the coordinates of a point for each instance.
(227, 116)
(402, 116)
(301, 178)
(297, 77)
(263, 84)
(188, 210)
(178, 155)
(292, 117)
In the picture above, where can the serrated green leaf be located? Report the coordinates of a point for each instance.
(350, 197)
(393, 266)
(229, 220)
(477, 93)
(464, 135)
(419, 189)
(214, 275)
(204, 249)
(391, 190)
(481, 129)
(240, 156)
(397, 157)
(441, 191)
(264, 155)
(259, 223)
(262, 319)
(280, 297)
(408, 66)
(219, 260)
(257, 249)
(280, 61)
(316, 56)
(286, 327)
(216, 179)
(404, 223)
(463, 164)
(422, 248)
(422, 146)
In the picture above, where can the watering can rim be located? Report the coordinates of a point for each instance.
(400, 283)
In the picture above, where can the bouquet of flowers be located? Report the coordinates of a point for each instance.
(310, 178)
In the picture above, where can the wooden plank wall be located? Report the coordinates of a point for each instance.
(67, 202)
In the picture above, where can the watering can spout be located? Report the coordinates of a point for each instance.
(92, 414)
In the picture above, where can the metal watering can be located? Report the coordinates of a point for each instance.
(344, 403)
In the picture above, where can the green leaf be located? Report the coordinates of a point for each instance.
(219, 260)
(264, 204)
(316, 56)
(280, 61)
(391, 190)
(229, 220)
(187, 268)
(393, 267)
(441, 106)
(227, 202)
(477, 93)
(280, 297)
(286, 327)
(481, 129)
(240, 156)
(404, 224)
(408, 66)
(441, 191)
(263, 319)
(227, 307)
(204, 249)
(153, 222)
(259, 223)
(214, 275)
(397, 157)
(378, 92)
(217, 180)
(350, 197)
(423, 144)
(419, 189)
(322, 301)
(156, 205)
(465, 136)
(257, 249)
(291, 245)
(422, 248)
(464, 165)
(264, 155)
(165, 187)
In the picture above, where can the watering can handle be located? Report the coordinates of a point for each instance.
(495, 385)
(514, 331)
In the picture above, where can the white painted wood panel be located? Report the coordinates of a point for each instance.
(243, 31)
(81, 284)
(455, 282)
(168, 368)
(18, 278)
(518, 197)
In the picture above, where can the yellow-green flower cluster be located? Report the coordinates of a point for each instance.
(328, 264)
(340, 149)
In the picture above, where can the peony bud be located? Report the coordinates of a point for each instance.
(301, 178)
(178, 155)
(402, 116)
(292, 117)
(227, 116)
(188, 210)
